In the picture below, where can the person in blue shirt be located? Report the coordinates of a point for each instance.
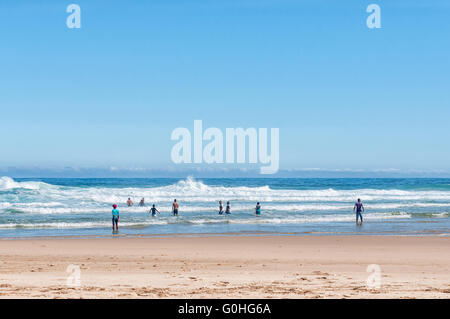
(258, 209)
(115, 217)
(359, 208)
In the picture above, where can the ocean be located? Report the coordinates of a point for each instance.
(311, 206)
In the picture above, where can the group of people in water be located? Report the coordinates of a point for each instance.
(175, 206)
(358, 209)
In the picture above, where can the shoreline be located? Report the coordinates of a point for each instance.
(227, 267)
(224, 234)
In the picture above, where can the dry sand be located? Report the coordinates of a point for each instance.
(226, 267)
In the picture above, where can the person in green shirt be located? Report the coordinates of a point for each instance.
(115, 217)
(258, 209)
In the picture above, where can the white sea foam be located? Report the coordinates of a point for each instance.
(49, 209)
(199, 204)
(200, 221)
(191, 191)
(8, 183)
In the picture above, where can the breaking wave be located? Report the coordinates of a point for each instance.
(40, 205)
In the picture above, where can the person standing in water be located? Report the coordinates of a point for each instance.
(129, 202)
(115, 217)
(228, 209)
(142, 202)
(220, 207)
(358, 208)
(153, 210)
(258, 209)
(175, 208)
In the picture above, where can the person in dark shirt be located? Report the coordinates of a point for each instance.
(153, 210)
(228, 208)
(220, 207)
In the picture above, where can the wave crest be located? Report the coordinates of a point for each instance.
(7, 183)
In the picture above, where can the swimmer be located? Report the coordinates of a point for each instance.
(220, 207)
(258, 209)
(228, 208)
(129, 202)
(153, 210)
(175, 207)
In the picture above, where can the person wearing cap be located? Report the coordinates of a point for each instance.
(115, 217)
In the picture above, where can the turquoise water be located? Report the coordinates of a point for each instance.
(72, 207)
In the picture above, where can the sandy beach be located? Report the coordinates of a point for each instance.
(226, 267)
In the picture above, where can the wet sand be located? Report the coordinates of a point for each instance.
(226, 267)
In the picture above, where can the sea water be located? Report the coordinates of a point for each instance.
(76, 207)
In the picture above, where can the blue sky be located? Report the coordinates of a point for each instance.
(345, 97)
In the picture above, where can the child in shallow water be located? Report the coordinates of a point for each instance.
(115, 218)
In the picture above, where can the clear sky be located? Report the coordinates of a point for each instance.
(109, 94)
